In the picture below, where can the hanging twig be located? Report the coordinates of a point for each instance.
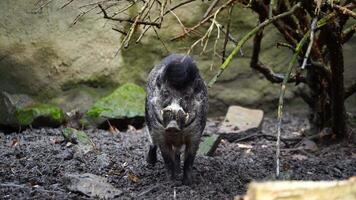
(120, 31)
(246, 38)
(126, 20)
(127, 39)
(163, 6)
(283, 44)
(298, 49)
(82, 14)
(281, 98)
(160, 39)
(227, 34)
(207, 34)
(348, 33)
(271, 6)
(345, 11)
(211, 7)
(227, 4)
(42, 6)
(350, 90)
(66, 4)
(165, 13)
(311, 40)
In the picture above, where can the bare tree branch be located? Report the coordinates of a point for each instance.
(345, 11)
(350, 90)
(227, 4)
(246, 38)
(165, 13)
(126, 20)
(227, 34)
(211, 7)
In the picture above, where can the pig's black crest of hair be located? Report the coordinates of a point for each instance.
(180, 70)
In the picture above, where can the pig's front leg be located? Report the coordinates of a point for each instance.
(189, 156)
(169, 160)
(152, 154)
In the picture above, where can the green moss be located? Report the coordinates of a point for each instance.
(75, 136)
(125, 102)
(25, 116)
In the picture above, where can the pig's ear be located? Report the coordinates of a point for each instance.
(198, 86)
(159, 82)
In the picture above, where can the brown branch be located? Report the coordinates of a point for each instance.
(229, 3)
(345, 11)
(335, 56)
(283, 44)
(159, 17)
(264, 70)
(211, 7)
(227, 34)
(66, 4)
(120, 31)
(159, 38)
(350, 90)
(348, 33)
(127, 20)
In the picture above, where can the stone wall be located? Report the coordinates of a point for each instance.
(46, 57)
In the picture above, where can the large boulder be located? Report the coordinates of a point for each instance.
(20, 110)
(45, 56)
(126, 105)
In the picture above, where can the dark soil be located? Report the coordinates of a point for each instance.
(33, 163)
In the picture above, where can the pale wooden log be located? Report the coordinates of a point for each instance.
(302, 190)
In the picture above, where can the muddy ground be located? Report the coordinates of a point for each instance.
(34, 162)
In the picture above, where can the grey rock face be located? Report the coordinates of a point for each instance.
(176, 111)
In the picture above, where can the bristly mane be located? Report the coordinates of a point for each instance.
(180, 71)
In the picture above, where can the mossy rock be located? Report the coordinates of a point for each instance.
(74, 136)
(40, 115)
(128, 101)
(20, 110)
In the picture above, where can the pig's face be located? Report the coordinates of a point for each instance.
(177, 107)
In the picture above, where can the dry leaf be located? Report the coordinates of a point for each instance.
(244, 146)
(15, 142)
(55, 141)
(299, 157)
(113, 129)
(318, 5)
(353, 155)
(134, 178)
(131, 128)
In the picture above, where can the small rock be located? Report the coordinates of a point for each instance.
(103, 160)
(209, 145)
(83, 143)
(308, 145)
(76, 137)
(91, 185)
(240, 120)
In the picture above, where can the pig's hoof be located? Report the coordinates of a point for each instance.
(151, 161)
(187, 181)
(152, 155)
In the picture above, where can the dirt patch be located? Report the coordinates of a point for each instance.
(34, 162)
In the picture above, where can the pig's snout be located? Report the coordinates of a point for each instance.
(172, 126)
(174, 118)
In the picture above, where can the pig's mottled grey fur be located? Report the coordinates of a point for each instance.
(188, 90)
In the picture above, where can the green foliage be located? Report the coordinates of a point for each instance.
(125, 102)
(75, 136)
(26, 116)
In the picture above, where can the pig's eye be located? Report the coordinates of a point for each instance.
(186, 98)
(165, 94)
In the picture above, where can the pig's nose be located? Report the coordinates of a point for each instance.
(172, 126)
